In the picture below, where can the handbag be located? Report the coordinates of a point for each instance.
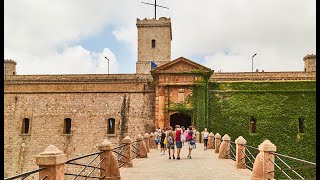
(165, 140)
(192, 141)
(183, 138)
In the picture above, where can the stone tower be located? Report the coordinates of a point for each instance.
(154, 43)
(309, 63)
(9, 67)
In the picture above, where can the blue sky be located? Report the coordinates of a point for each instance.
(73, 37)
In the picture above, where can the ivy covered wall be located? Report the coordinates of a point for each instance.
(277, 107)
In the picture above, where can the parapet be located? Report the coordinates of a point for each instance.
(163, 21)
(309, 56)
(10, 61)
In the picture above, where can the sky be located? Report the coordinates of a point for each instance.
(74, 36)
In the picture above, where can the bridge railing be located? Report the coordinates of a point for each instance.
(261, 160)
(27, 174)
(104, 164)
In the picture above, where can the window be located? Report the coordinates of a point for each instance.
(301, 125)
(111, 126)
(67, 126)
(25, 126)
(153, 43)
(253, 122)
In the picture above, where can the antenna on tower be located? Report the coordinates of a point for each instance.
(155, 7)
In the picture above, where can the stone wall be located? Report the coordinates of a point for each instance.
(89, 105)
(263, 76)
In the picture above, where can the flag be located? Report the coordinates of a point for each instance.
(153, 65)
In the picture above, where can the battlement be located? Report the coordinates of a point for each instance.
(309, 56)
(163, 21)
(10, 61)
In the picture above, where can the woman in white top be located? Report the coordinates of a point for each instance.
(205, 135)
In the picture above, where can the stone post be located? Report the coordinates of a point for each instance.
(109, 161)
(197, 137)
(217, 143)
(53, 159)
(263, 168)
(143, 152)
(152, 143)
(146, 138)
(127, 151)
(224, 150)
(210, 141)
(240, 153)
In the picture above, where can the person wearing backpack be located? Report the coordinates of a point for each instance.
(179, 139)
(170, 142)
(205, 136)
(191, 141)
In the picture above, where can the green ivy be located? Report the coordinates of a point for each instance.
(277, 107)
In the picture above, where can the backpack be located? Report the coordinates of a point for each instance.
(170, 140)
(188, 136)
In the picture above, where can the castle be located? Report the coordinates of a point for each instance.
(76, 112)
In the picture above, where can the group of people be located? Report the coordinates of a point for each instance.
(168, 138)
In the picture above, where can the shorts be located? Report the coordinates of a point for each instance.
(191, 146)
(156, 141)
(170, 146)
(178, 144)
(161, 145)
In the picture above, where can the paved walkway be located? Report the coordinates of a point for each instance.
(203, 165)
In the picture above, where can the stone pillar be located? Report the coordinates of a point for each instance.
(161, 106)
(146, 138)
(143, 152)
(217, 143)
(224, 150)
(152, 143)
(127, 151)
(109, 161)
(198, 137)
(53, 159)
(210, 141)
(263, 168)
(240, 153)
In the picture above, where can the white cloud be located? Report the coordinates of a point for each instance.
(281, 32)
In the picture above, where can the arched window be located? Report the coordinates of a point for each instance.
(153, 43)
(111, 126)
(253, 122)
(25, 126)
(67, 126)
(301, 125)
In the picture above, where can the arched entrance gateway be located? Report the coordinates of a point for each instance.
(175, 82)
(180, 119)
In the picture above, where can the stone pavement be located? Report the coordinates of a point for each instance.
(203, 165)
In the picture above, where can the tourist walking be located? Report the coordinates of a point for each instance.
(157, 138)
(162, 145)
(179, 136)
(170, 141)
(205, 136)
(191, 141)
(184, 135)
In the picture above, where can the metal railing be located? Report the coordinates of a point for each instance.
(233, 150)
(135, 148)
(291, 172)
(120, 154)
(85, 166)
(250, 154)
(27, 174)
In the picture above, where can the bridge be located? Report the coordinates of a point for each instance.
(140, 158)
